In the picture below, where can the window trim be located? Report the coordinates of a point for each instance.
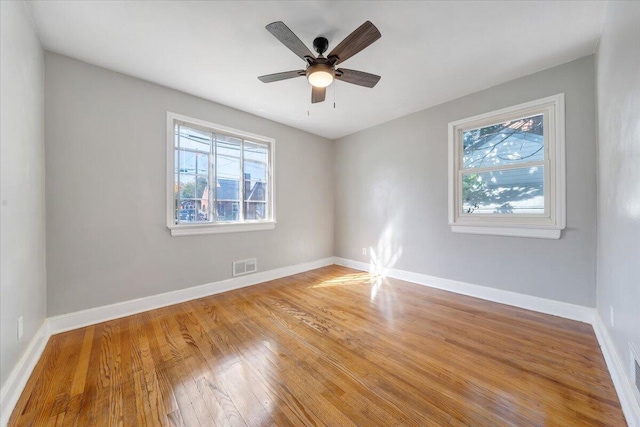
(549, 225)
(216, 227)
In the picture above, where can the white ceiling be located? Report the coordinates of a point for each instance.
(429, 53)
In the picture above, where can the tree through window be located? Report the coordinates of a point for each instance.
(507, 169)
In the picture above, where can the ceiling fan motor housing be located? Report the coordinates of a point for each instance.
(320, 66)
(320, 44)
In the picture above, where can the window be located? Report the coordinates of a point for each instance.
(219, 179)
(506, 171)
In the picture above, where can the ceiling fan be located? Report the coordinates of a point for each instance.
(322, 71)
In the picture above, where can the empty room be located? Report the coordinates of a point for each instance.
(320, 213)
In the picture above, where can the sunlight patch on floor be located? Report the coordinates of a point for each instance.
(346, 280)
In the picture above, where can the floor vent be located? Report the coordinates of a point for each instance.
(245, 267)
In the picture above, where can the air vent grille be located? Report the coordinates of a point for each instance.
(245, 266)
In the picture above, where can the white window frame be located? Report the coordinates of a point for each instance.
(217, 227)
(548, 225)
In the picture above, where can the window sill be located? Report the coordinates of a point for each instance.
(538, 233)
(192, 230)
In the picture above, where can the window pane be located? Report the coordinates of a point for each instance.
(202, 193)
(256, 158)
(229, 178)
(255, 180)
(187, 186)
(202, 186)
(228, 210)
(187, 161)
(202, 164)
(255, 151)
(228, 157)
(194, 139)
(514, 191)
(193, 210)
(188, 210)
(513, 142)
(255, 210)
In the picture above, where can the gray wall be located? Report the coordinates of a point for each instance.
(391, 195)
(618, 70)
(107, 239)
(22, 218)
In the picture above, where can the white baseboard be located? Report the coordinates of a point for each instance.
(542, 305)
(13, 386)
(621, 381)
(79, 319)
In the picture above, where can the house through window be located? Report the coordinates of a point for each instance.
(220, 177)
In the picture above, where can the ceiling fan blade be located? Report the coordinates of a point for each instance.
(359, 78)
(362, 37)
(289, 39)
(269, 78)
(318, 94)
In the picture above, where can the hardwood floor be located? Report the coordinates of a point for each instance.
(333, 346)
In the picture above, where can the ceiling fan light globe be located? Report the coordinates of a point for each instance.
(320, 78)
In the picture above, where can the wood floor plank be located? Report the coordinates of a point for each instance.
(332, 346)
(88, 413)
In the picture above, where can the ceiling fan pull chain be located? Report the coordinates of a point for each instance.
(334, 95)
